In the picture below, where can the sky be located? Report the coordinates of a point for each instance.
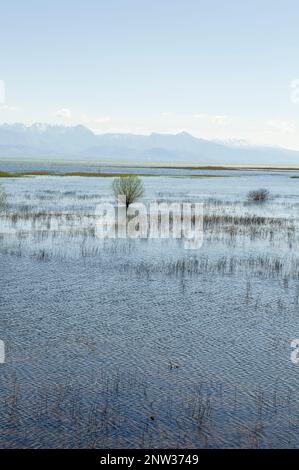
(223, 70)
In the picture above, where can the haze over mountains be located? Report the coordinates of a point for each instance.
(43, 141)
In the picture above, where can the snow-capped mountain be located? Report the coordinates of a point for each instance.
(79, 143)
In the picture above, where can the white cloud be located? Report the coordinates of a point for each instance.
(63, 113)
(6, 107)
(282, 126)
(167, 114)
(199, 116)
(216, 119)
(95, 121)
(294, 96)
(102, 119)
(220, 120)
(2, 91)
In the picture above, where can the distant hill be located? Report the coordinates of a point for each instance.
(80, 143)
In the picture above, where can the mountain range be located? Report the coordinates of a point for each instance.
(43, 141)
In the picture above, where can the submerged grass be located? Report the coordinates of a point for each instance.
(111, 409)
(100, 414)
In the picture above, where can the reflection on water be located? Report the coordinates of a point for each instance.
(125, 343)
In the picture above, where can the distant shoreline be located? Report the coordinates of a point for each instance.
(88, 174)
(179, 166)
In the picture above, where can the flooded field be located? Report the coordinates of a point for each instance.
(142, 343)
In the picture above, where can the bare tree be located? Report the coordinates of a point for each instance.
(259, 195)
(129, 186)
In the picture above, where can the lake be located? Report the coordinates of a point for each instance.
(142, 343)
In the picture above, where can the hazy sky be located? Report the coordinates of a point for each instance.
(217, 69)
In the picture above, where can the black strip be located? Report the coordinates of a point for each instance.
(146, 458)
